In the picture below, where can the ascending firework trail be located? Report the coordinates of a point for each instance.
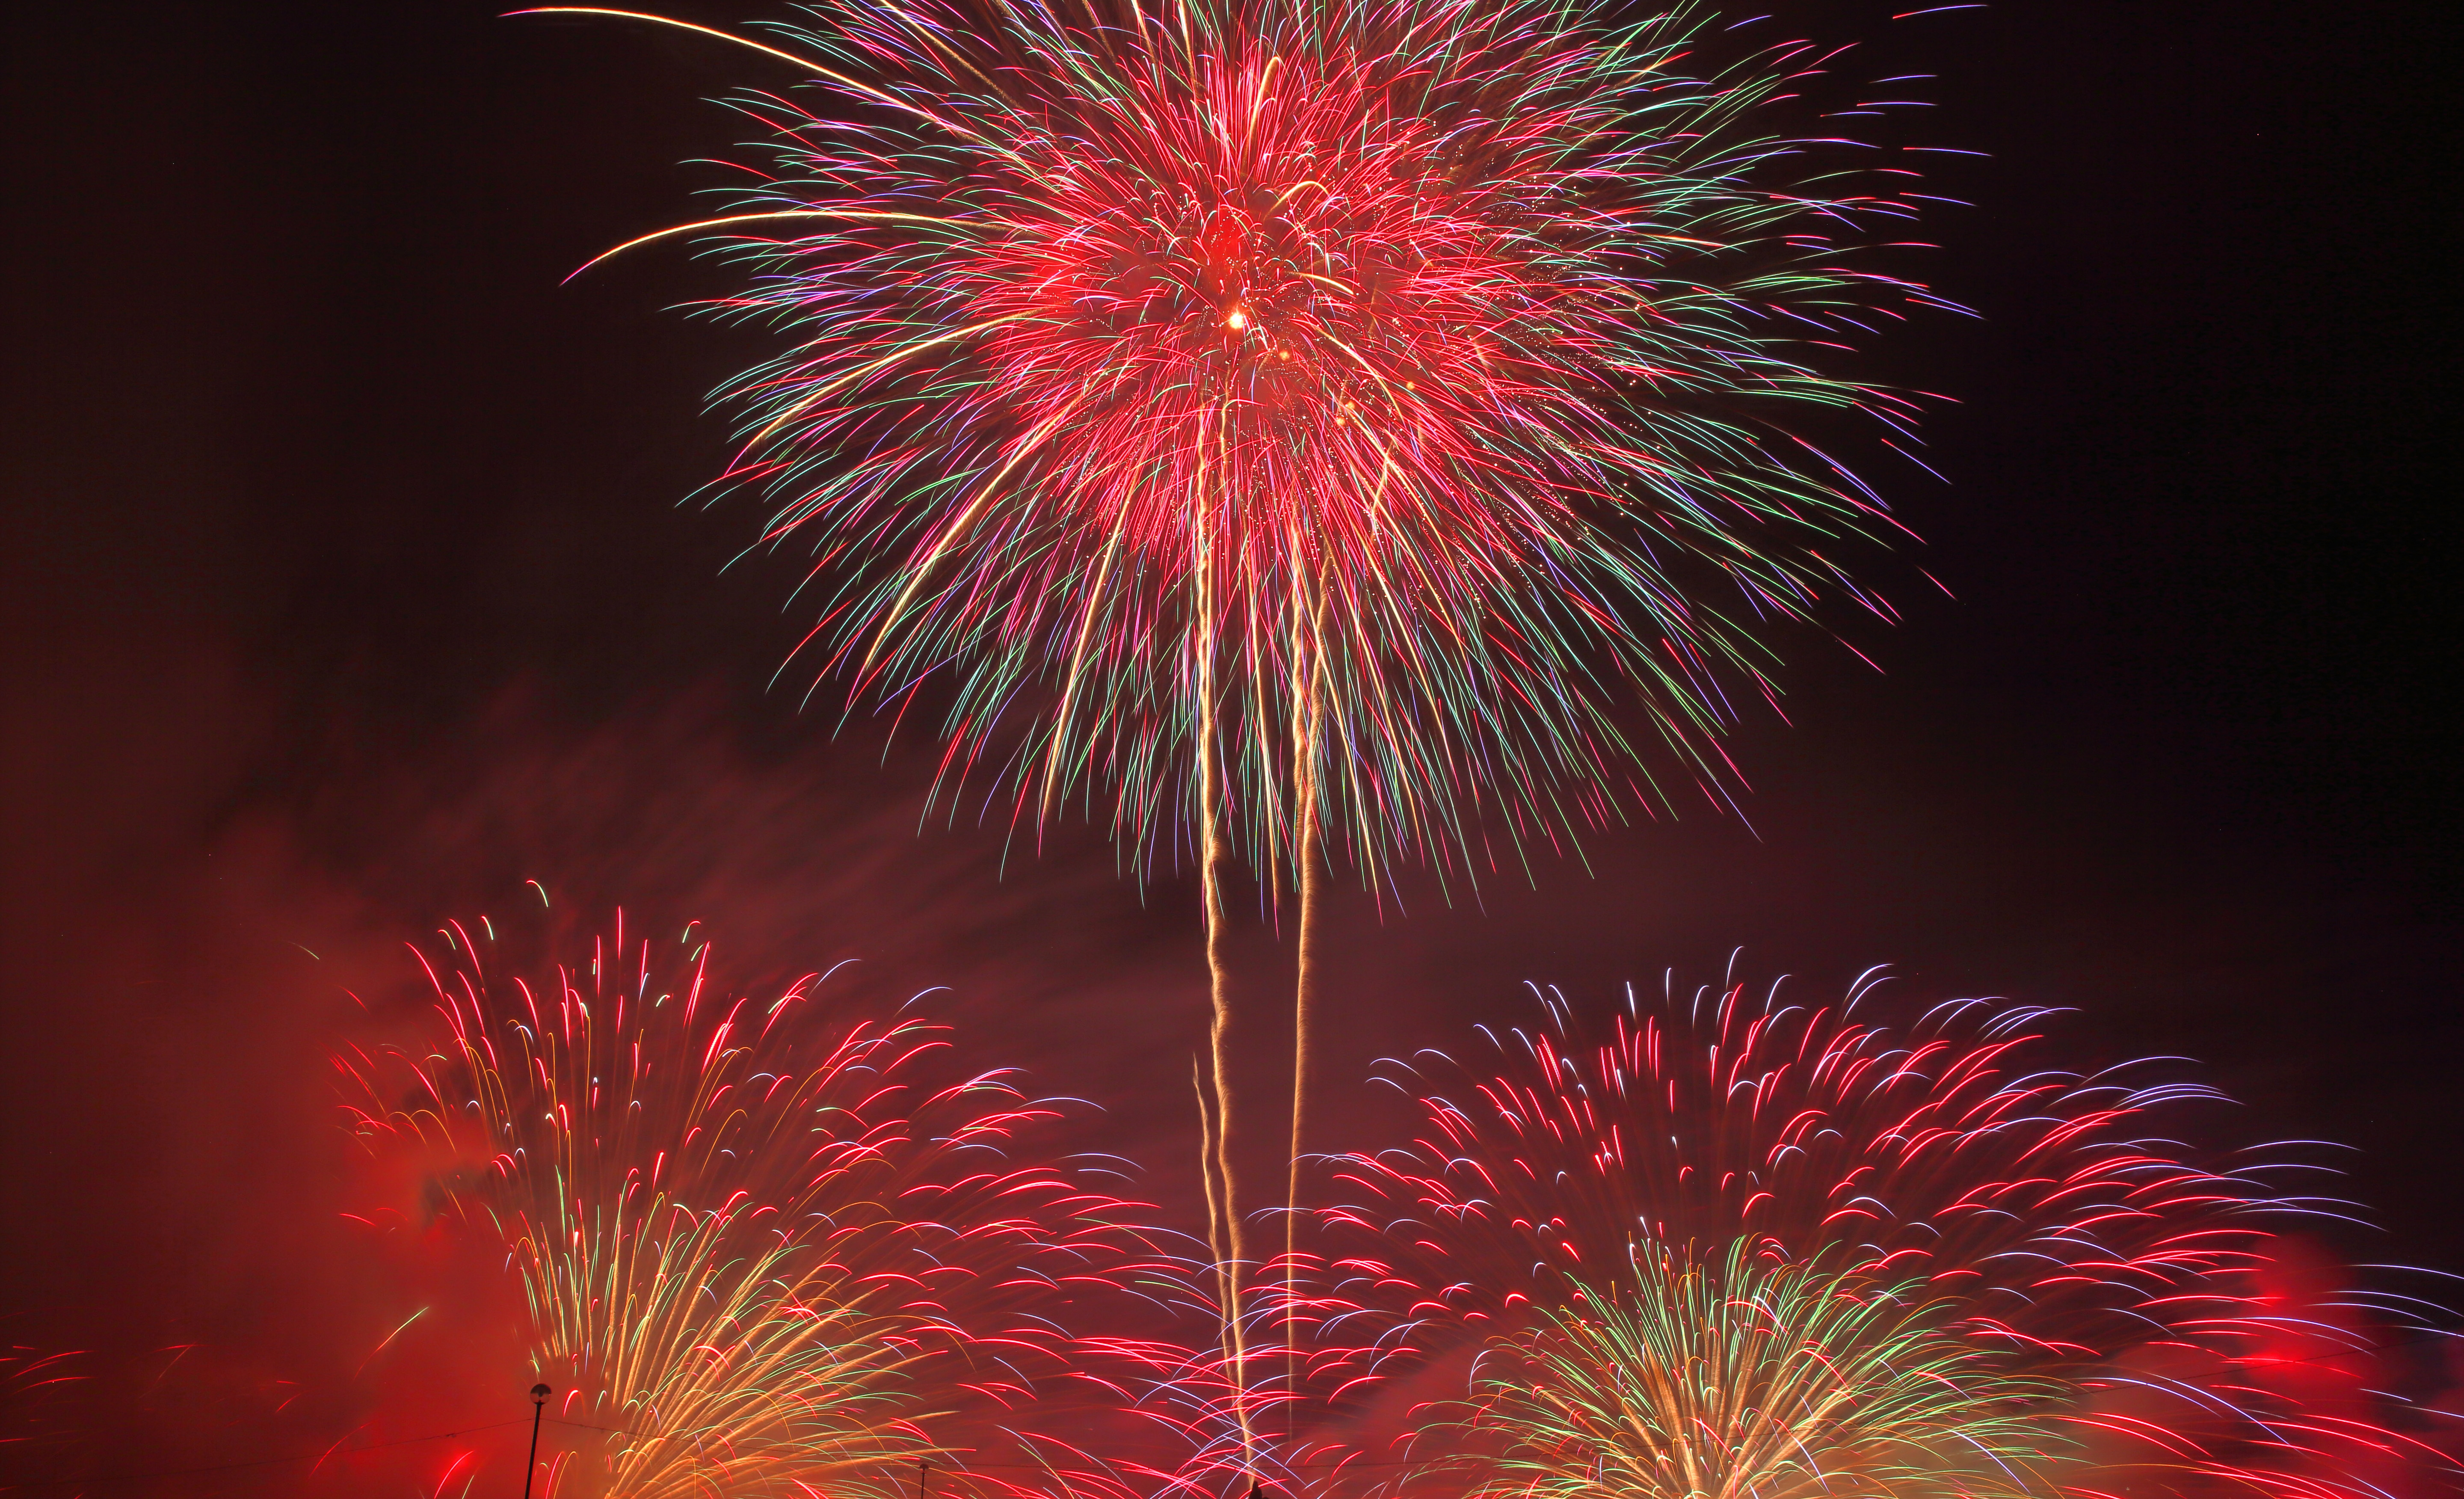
(1326, 429)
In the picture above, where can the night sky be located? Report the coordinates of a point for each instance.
(348, 587)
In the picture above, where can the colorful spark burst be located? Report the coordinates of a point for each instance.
(758, 1241)
(2040, 1212)
(1304, 419)
(1730, 1376)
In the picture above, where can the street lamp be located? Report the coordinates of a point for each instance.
(539, 1407)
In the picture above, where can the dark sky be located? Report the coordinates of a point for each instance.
(346, 587)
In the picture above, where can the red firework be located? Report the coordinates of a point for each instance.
(757, 1237)
(2044, 1209)
(1318, 420)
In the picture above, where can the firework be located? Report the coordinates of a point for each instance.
(2035, 1213)
(1815, 1134)
(1732, 1376)
(755, 1240)
(1301, 415)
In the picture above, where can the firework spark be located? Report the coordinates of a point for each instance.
(32, 1383)
(755, 1240)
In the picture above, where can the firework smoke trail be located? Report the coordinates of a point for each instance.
(756, 1244)
(1731, 1377)
(2035, 1208)
(1309, 422)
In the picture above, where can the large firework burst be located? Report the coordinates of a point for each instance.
(756, 1241)
(1817, 1135)
(1302, 416)
(2038, 1212)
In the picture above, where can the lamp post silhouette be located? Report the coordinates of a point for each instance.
(539, 1407)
